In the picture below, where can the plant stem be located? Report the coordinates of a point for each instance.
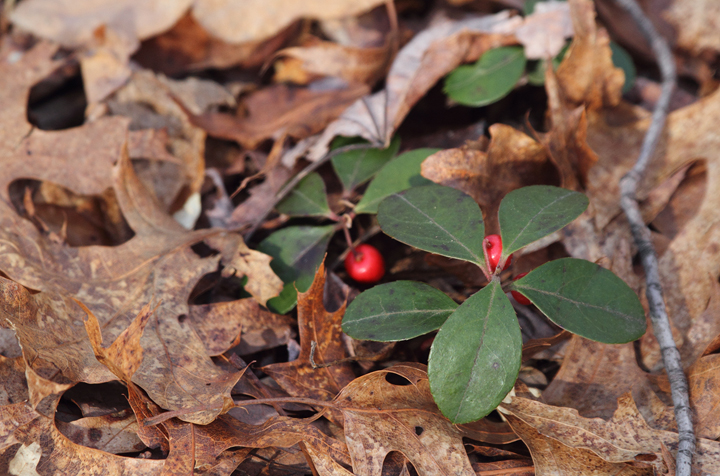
(641, 234)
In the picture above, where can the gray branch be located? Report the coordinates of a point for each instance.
(641, 234)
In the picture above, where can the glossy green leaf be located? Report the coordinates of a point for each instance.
(437, 219)
(530, 213)
(623, 60)
(585, 299)
(397, 311)
(285, 301)
(308, 198)
(397, 175)
(491, 78)
(297, 252)
(475, 358)
(357, 166)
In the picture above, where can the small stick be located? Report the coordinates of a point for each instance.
(641, 235)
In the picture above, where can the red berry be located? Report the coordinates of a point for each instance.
(519, 297)
(493, 245)
(366, 265)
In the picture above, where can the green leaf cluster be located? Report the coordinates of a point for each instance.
(298, 250)
(475, 357)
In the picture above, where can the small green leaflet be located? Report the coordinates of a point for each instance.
(585, 299)
(357, 166)
(308, 198)
(397, 175)
(437, 219)
(475, 358)
(491, 78)
(530, 213)
(297, 252)
(397, 311)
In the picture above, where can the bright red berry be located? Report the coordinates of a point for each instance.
(493, 245)
(366, 265)
(519, 297)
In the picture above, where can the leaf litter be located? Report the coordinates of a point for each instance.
(99, 283)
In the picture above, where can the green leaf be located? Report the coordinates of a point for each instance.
(530, 213)
(297, 252)
(623, 60)
(437, 219)
(285, 301)
(356, 166)
(308, 198)
(585, 299)
(491, 78)
(397, 175)
(475, 357)
(397, 311)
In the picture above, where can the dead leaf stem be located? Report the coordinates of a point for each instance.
(641, 234)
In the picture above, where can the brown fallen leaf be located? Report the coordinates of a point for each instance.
(73, 23)
(552, 457)
(221, 325)
(13, 388)
(696, 25)
(280, 109)
(513, 160)
(703, 379)
(381, 417)
(625, 438)
(315, 324)
(544, 31)
(251, 20)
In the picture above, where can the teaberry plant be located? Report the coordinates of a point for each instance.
(298, 250)
(475, 357)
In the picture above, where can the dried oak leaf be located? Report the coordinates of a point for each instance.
(696, 24)
(625, 438)
(114, 433)
(703, 380)
(593, 376)
(278, 110)
(315, 324)
(381, 417)
(46, 449)
(513, 160)
(429, 56)
(156, 265)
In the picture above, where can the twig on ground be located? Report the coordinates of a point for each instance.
(301, 175)
(641, 234)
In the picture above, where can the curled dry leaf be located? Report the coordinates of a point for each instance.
(280, 109)
(429, 56)
(301, 64)
(549, 456)
(114, 433)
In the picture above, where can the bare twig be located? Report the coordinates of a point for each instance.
(641, 234)
(301, 175)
